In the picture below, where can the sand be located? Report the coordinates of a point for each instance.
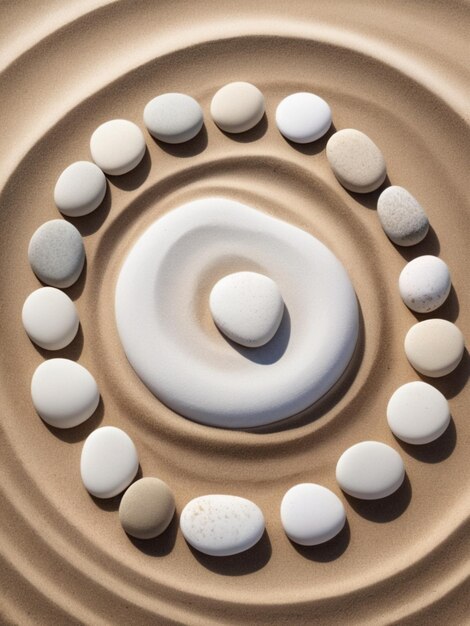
(396, 71)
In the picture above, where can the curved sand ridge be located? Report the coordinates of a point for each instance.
(65, 557)
(200, 374)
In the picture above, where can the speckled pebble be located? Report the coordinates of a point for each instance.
(370, 470)
(50, 318)
(356, 161)
(64, 393)
(247, 307)
(237, 107)
(424, 283)
(56, 253)
(418, 413)
(311, 514)
(401, 216)
(434, 347)
(221, 525)
(80, 189)
(147, 508)
(173, 117)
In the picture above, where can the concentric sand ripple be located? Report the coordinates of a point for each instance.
(64, 557)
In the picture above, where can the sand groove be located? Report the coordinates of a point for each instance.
(397, 72)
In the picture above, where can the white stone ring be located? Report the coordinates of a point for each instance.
(202, 375)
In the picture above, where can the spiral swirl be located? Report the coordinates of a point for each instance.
(399, 74)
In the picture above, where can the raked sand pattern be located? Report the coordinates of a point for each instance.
(66, 70)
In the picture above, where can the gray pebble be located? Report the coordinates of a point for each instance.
(402, 217)
(56, 253)
(173, 117)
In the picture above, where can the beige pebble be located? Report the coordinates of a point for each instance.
(147, 508)
(434, 347)
(237, 107)
(356, 161)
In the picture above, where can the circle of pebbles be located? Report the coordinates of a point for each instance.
(65, 393)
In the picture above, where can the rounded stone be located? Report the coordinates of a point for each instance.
(356, 161)
(117, 146)
(370, 470)
(418, 413)
(50, 318)
(311, 514)
(247, 307)
(80, 189)
(237, 107)
(56, 253)
(303, 117)
(424, 283)
(401, 216)
(109, 462)
(173, 117)
(64, 393)
(147, 508)
(434, 347)
(221, 525)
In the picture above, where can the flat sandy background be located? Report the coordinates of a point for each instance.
(397, 71)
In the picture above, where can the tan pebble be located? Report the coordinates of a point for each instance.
(147, 508)
(356, 161)
(237, 107)
(434, 347)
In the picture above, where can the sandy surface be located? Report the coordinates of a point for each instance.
(398, 72)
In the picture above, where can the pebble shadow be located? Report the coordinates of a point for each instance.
(80, 432)
(72, 351)
(133, 179)
(91, 223)
(385, 509)
(437, 450)
(429, 245)
(448, 311)
(190, 148)
(161, 545)
(241, 564)
(369, 200)
(328, 551)
(255, 133)
(314, 147)
(330, 399)
(76, 290)
(273, 350)
(112, 504)
(452, 384)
